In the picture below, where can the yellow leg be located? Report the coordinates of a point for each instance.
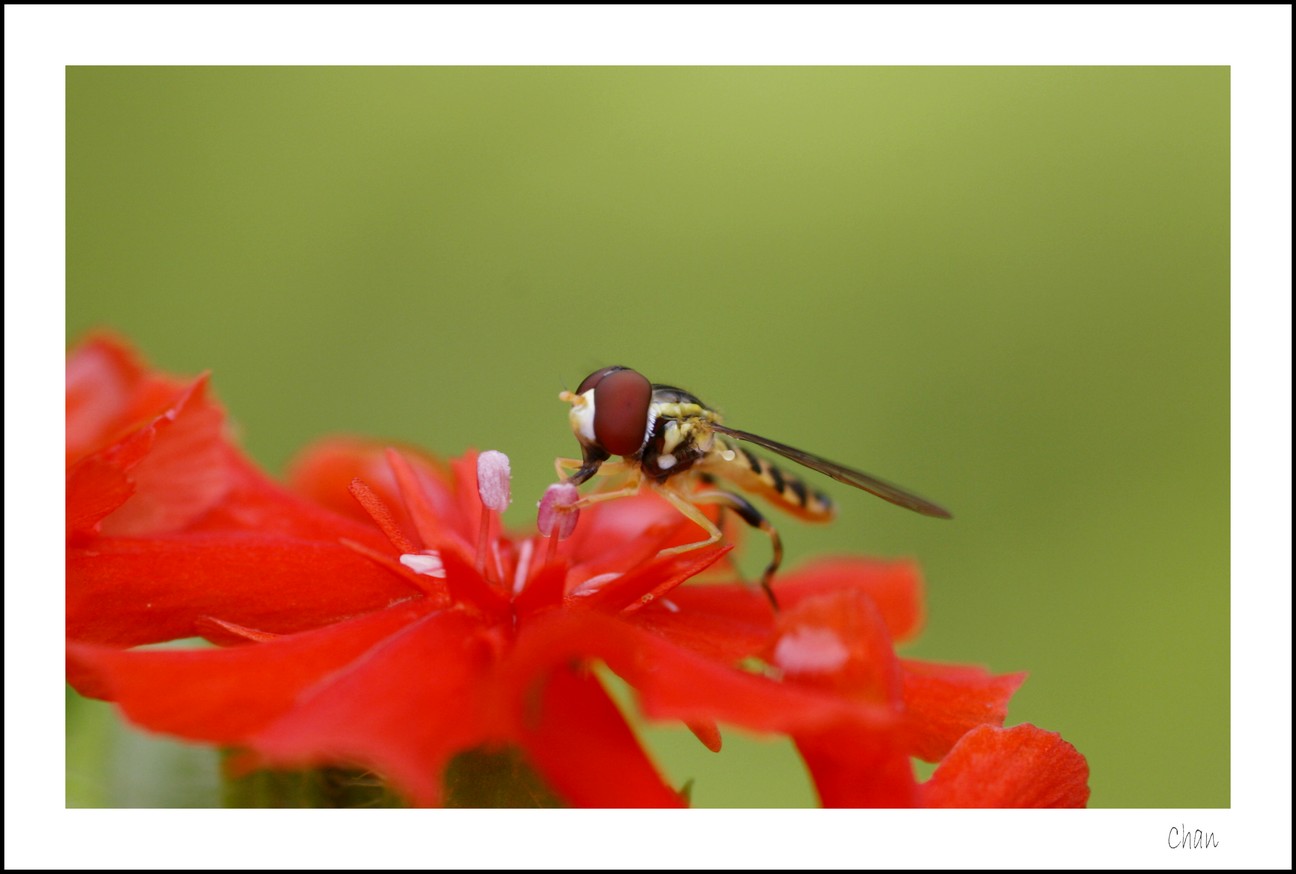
(687, 507)
(599, 497)
(748, 513)
(608, 468)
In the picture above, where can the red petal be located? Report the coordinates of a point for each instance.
(223, 695)
(95, 488)
(404, 709)
(130, 591)
(464, 470)
(838, 642)
(544, 589)
(1022, 766)
(675, 683)
(855, 767)
(169, 454)
(646, 583)
(167, 473)
(468, 588)
(184, 474)
(707, 732)
(943, 702)
(257, 504)
(430, 509)
(581, 744)
(323, 471)
(895, 587)
(110, 392)
(725, 622)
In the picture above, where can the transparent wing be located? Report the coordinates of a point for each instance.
(843, 474)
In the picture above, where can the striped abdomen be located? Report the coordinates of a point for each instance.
(763, 478)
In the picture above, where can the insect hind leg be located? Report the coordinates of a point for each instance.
(686, 505)
(752, 517)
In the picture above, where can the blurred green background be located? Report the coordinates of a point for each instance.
(1005, 288)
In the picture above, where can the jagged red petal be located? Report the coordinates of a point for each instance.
(184, 473)
(943, 702)
(1022, 766)
(109, 393)
(95, 488)
(157, 478)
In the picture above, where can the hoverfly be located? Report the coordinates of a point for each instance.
(668, 439)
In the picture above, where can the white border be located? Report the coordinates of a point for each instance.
(1254, 40)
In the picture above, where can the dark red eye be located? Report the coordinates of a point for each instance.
(596, 377)
(621, 401)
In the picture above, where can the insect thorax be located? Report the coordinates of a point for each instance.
(680, 435)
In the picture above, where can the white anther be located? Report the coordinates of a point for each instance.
(493, 480)
(427, 563)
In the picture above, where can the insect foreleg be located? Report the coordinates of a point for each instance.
(630, 489)
(608, 468)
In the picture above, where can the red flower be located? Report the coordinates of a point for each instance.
(372, 615)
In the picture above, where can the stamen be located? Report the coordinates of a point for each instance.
(493, 488)
(558, 514)
(493, 480)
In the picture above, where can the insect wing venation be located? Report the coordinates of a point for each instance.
(841, 473)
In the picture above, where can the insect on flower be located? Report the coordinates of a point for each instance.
(669, 440)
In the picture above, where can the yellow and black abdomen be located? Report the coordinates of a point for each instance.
(763, 478)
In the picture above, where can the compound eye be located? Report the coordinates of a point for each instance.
(596, 377)
(621, 402)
